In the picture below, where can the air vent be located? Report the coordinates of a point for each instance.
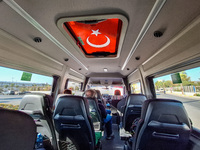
(37, 39)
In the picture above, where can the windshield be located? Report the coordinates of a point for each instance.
(108, 90)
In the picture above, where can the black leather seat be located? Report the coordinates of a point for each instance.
(17, 130)
(95, 113)
(132, 109)
(99, 98)
(39, 107)
(164, 125)
(72, 120)
(121, 105)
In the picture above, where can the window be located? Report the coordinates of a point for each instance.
(135, 88)
(183, 86)
(108, 90)
(14, 84)
(75, 87)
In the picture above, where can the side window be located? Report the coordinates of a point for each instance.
(14, 84)
(183, 86)
(75, 87)
(135, 88)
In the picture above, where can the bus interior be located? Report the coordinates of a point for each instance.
(141, 58)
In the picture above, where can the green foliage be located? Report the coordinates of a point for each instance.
(163, 84)
(158, 84)
(168, 83)
(5, 86)
(197, 94)
(71, 88)
(186, 81)
(76, 88)
(9, 106)
(12, 85)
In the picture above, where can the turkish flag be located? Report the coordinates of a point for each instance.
(93, 38)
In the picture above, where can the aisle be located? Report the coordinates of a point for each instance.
(115, 144)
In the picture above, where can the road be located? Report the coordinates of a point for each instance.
(191, 104)
(11, 99)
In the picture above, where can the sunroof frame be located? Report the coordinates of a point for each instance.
(73, 41)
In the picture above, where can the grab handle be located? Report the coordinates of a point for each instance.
(165, 135)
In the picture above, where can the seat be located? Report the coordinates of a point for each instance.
(39, 107)
(132, 109)
(72, 120)
(121, 104)
(17, 130)
(95, 114)
(164, 125)
(99, 98)
(116, 98)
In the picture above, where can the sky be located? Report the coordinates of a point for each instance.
(194, 75)
(7, 74)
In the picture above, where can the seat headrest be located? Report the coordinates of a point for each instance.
(136, 99)
(166, 111)
(50, 101)
(32, 102)
(18, 130)
(70, 105)
(99, 96)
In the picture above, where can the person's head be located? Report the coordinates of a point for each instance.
(117, 92)
(90, 93)
(67, 91)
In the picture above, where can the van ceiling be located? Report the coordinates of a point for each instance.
(171, 19)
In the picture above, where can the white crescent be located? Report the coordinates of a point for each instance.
(99, 46)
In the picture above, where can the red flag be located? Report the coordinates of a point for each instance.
(101, 38)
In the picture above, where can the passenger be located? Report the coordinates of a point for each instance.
(106, 117)
(67, 91)
(117, 95)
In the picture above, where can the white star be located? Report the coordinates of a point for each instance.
(96, 32)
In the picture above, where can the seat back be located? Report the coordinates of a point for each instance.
(95, 113)
(17, 130)
(121, 105)
(114, 102)
(132, 109)
(99, 98)
(72, 120)
(39, 107)
(164, 125)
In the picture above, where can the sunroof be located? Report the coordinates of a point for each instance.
(95, 36)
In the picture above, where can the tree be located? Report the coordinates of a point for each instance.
(76, 88)
(185, 79)
(38, 89)
(159, 84)
(168, 83)
(12, 85)
(71, 88)
(1, 89)
(5, 86)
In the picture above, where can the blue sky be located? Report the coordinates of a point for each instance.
(7, 74)
(194, 75)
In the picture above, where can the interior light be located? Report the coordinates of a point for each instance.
(105, 70)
